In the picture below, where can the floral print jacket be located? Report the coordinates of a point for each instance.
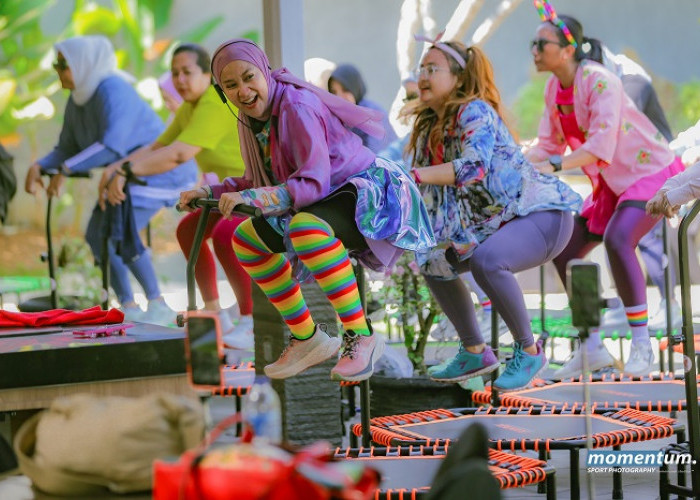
(494, 182)
(628, 144)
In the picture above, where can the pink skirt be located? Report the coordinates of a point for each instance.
(598, 212)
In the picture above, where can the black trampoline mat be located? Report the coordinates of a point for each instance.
(404, 472)
(608, 392)
(518, 427)
(410, 472)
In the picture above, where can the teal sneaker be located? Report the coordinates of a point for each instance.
(521, 369)
(465, 365)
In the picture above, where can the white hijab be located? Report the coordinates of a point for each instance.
(91, 59)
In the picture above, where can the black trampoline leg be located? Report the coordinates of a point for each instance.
(364, 412)
(551, 487)
(617, 481)
(543, 487)
(573, 470)
(239, 425)
(663, 482)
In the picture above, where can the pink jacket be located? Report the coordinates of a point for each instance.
(628, 144)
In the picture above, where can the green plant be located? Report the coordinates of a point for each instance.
(406, 298)
(684, 111)
(529, 106)
(76, 275)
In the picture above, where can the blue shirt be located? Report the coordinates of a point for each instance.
(114, 122)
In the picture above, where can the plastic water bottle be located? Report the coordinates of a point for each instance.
(262, 413)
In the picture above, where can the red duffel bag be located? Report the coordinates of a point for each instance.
(252, 471)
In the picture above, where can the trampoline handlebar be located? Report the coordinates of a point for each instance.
(55, 171)
(240, 209)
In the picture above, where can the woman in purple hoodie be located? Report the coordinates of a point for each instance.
(323, 194)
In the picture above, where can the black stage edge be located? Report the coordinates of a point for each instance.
(52, 357)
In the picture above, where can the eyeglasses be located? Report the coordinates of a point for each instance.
(541, 42)
(428, 71)
(409, 98)
(60, 65)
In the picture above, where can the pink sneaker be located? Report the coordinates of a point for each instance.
(301, 354)
(360, 353)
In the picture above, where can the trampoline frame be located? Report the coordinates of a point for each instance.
(691, 387)
(647, 427)
(521, 471)
(521, 399)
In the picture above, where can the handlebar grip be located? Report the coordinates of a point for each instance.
(84, 175)
(241, 209)
(248, 210)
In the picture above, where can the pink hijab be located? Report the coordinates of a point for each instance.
(352, 116)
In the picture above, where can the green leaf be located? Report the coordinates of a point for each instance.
(96, 20)
(198, 34)
(161, 11)
(252, 35)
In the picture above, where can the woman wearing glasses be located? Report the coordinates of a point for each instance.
(491, 211)
(104, 120)
(622, 153)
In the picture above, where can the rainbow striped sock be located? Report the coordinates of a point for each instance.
(273, 274)
(638, 317)
(327, 259)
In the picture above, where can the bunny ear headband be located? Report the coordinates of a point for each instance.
(435, 42)
(547, 13)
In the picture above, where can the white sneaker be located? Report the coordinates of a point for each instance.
(614, 317)
(225, 322)
(158, 313)
(573, 368)
(302, 354)
(658, 321)
(133, 313)
(641, 360)
(241, 336)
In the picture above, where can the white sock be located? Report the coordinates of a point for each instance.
(638, 319)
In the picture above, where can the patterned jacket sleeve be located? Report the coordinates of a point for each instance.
(478, 136)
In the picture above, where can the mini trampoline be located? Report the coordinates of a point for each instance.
(607, 391)
(536, 428)
(407, 471)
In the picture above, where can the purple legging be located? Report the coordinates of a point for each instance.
(625, 229)
(523, 243)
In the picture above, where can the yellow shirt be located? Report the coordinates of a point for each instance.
(210, 125)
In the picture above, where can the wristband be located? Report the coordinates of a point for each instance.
(416, 176)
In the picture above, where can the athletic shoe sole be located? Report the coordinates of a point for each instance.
(578, 373)
(318, 355)
(467, 376)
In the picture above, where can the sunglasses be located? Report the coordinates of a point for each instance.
(541, 42)
(60, 65)
(409, 98)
